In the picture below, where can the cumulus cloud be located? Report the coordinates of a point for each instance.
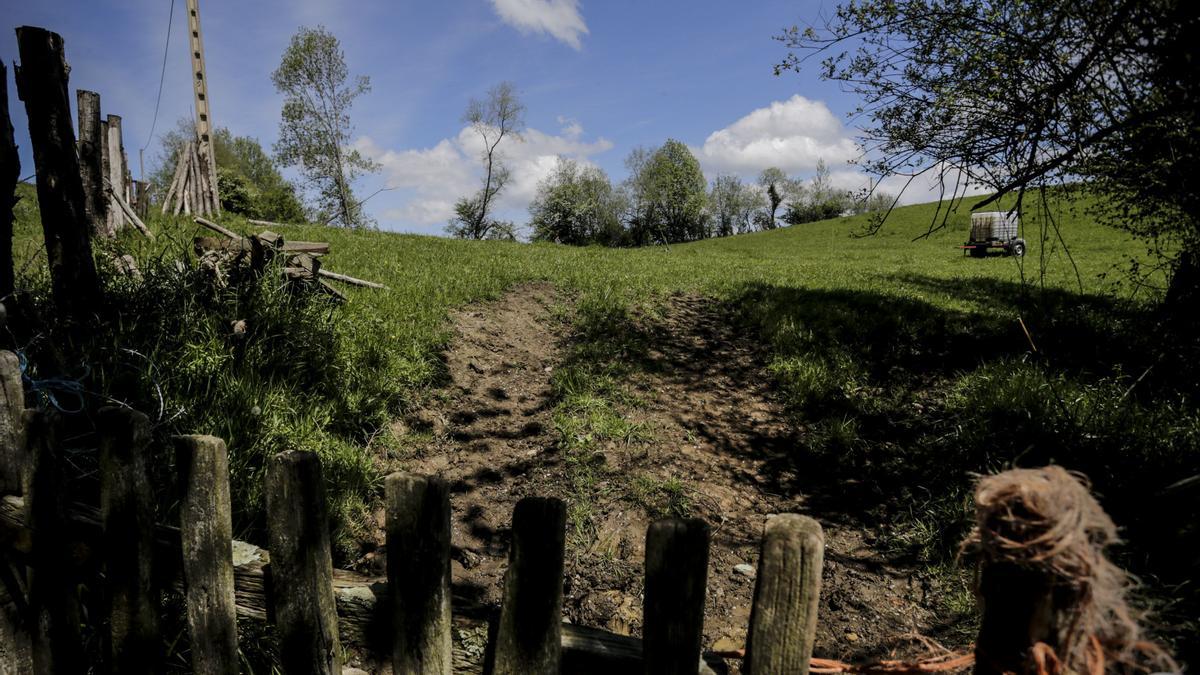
(791, 135)
(432, 179)
(558, 18)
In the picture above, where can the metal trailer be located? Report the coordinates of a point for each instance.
(994, 229)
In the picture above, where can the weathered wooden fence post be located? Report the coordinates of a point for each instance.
(42, 84)
(54, 609)
(10, 173)
(206, 532)
(116, 171)
(127, 516)
(783, 620)
(529, 637)
(13, 458)
(418, 570)
(301, 566)
(91, 162)
(676, 582)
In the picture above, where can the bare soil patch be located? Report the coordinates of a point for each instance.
(713, 424)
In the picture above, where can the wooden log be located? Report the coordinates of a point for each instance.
(350, 280)
(418, 570)
(206, 533)
(529, 636)
(127, 516)
(217, 228)
(42, 83)
(171, 196)
(13, 462)
(301, 566)
(116, 168)
(130, 216)
(142, 198)
(195, 179)
(10, 173)
(91, 162)
(181, 189)
(676, 582)
(783, 619)
(54, 609)
(309, 247)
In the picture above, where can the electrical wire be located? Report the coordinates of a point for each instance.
(162, 76)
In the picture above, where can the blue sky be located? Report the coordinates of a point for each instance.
(598, 78)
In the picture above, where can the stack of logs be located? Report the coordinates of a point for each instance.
(301, 259)
(192, 189)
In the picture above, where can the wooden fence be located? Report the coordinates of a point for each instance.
(47, 534)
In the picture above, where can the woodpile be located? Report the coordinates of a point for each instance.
(193, 189)
(301, 260)
(112, 198)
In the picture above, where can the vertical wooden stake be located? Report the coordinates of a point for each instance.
(10, 173)
(783, 621)
(418, 570)
(206, 531)
(13, 459)
(301, 566)
(676, 582)
(116, 169)
(127, 516)
(57, 644)
(91, 162)
(529, 637)
(42, 84)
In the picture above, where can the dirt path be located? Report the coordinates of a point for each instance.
(716, 434)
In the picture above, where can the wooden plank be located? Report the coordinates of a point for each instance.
(783, 619)
(10, 173)
(42, 83)
(116, 167)
(418, 570)
(529, 637)
(676, 581)
(127, 516)
(301, 566)
(310, 247)
(206, 535)
(13, 460)
(54, 609)
(350, 280)
(91, 162)
(129, 214)
(217, 228)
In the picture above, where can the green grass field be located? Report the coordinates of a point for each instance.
(902, 359)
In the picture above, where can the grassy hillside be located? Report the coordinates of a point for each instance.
(901, 359)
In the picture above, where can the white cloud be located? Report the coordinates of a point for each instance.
(791, 135)
(558, 18)
(434, 178)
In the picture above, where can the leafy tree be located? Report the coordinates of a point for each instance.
(1021, 95)
(577, 205)
(732, 205)
(314, 126)
(775, 183)
(496, 117)
(668, 194)
(819, 200)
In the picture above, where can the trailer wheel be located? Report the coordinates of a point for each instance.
(1017, 248)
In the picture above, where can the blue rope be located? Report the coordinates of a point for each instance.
(50, 388)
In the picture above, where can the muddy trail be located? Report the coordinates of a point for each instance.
(712, 427)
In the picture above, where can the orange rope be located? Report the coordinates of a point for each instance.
(936, 664)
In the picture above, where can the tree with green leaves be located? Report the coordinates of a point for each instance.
(732, 205)
(577, 205)
(314, 127)
(775, 184)
(1021, 96)
(498, 116)
(818, 200)
(668, 195)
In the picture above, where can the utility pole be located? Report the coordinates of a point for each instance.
(203, 114)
